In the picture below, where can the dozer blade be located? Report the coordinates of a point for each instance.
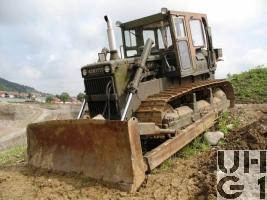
(101, 149)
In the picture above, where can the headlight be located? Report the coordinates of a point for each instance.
(84, 72)
(107, 69)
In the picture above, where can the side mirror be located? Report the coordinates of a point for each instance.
(218, 54)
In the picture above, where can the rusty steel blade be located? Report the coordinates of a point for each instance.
(105, 150)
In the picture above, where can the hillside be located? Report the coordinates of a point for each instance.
(6, 85)
(250, 86)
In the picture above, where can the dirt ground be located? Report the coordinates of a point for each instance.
(191, 177)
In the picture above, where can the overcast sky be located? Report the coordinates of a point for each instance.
(43, 44)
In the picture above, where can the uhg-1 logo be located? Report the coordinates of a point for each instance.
(241, 174)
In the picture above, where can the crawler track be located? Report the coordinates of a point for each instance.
(154, 107)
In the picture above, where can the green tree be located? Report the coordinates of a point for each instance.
(48, 99)
(80, 96)
(64, 97)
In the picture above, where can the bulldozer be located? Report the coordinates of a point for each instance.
(144, 102)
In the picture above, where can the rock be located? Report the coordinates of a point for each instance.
(123, 194)
(230, 126)
(99, 117)
(213, 137)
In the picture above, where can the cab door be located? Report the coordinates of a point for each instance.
(184, 58)
(199, 49)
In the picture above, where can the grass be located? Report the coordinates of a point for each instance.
(223, 122)
(167, 164)
(13, 155)
(250, 86)
(196, 146)
(225, 119)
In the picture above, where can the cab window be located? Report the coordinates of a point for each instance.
(148, 34)
(197, 33)
(179, 27)
(130, 38)
(164, 37)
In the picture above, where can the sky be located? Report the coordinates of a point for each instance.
(44, 44)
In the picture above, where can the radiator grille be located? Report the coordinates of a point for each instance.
(94, 86)
(97, 85)
(98, 108)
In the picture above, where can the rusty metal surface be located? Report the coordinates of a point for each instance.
(150, 129)
(156, 156)
(154, 107)
(109, 151)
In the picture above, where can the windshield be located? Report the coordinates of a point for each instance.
(134, 39)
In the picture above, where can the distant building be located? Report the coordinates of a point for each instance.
(2, 94)
(23, 95)
(13, 94)
(74, 100)
(40, 99)
(56, 100)
(10, 94)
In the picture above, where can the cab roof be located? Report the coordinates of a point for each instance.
(155, 18)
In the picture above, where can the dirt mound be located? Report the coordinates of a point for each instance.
(252, 137)
(15, 111)
(14, 118)
(16, 115)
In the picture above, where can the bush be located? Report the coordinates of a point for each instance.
(64, 97)
(81, 96)
(250, 86)
(48, 99)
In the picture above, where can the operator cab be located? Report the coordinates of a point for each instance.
(182, 39)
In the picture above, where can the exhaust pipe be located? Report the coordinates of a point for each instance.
(111, 39)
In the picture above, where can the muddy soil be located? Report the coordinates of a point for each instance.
(184, 178)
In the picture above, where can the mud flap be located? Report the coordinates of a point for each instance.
(109, 151)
